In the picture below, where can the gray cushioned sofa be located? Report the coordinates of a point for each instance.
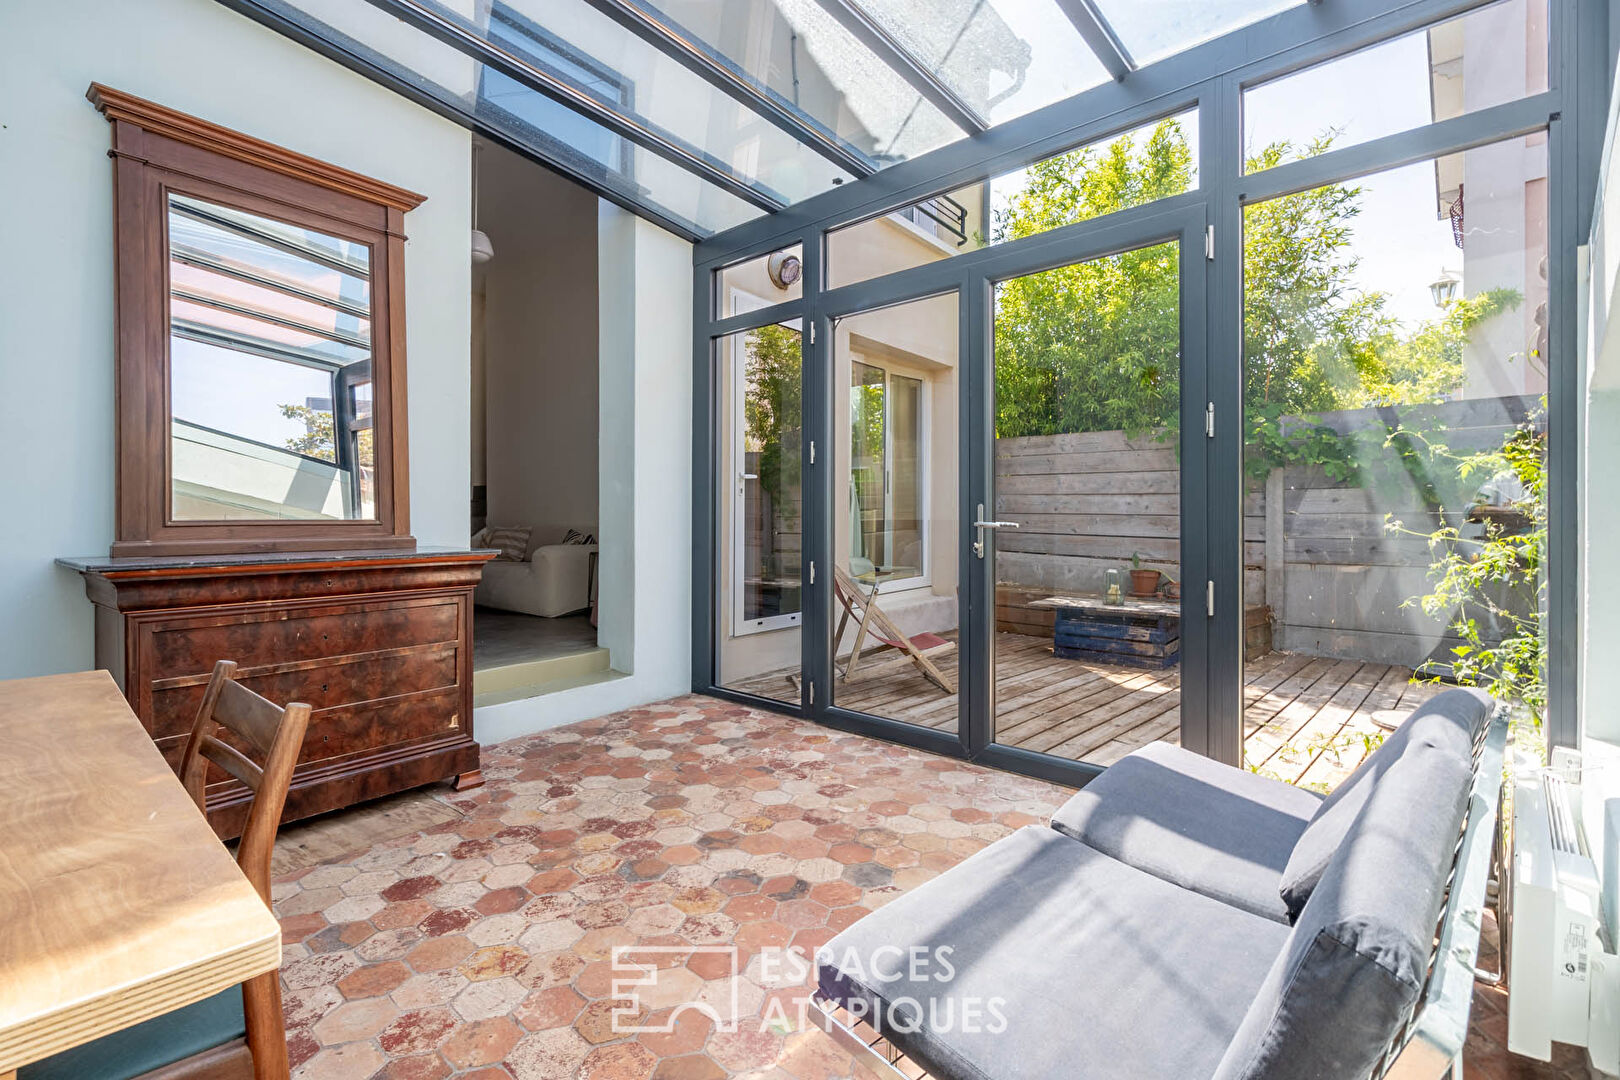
(1182, 918)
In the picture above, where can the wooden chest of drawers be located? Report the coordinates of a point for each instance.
(380, 644)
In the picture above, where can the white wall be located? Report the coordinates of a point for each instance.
(540, 343)
(644, 277)
(1599, 488)
(56, 268)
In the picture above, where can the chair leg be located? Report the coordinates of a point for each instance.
(869, 610)
(266, 1029)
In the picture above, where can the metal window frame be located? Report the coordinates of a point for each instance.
(1210, 77)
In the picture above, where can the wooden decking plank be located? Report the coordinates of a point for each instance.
(1260, 715)
(1259, 748)
(1084, 710)
(1121, 727)
(1105, 707)
(1082, 696)
(1062, 699)
(1311, 741)
(1160, 729)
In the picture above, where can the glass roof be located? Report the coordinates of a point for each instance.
(703, 114)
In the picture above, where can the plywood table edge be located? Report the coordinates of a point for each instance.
(44, 1035)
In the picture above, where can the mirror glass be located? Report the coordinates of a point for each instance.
(270, 396)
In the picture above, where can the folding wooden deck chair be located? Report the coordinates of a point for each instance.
(917, 647)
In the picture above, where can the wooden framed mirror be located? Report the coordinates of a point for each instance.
(261, 343)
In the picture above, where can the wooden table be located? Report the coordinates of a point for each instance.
(117, 901)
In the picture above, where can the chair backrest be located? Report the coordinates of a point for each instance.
(272, 734)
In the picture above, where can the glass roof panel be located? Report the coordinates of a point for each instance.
(549, 129)
(1004, 58)
(1153, 29)
(801, 53)
(571, 39)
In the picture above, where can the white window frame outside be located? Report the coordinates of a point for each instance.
(924, 577)
(737, 367)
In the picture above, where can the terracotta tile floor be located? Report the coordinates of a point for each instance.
(481, 947)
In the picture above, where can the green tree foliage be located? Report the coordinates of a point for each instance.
(1491, 582)
(773, 411)
(318, 439)
(1096, 346)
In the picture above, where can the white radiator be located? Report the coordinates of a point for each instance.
(1558, 918)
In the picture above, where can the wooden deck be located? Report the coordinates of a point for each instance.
(1307, 719)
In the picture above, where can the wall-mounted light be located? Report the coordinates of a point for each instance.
(784, 269)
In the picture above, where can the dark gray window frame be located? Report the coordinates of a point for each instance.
(1210, 77)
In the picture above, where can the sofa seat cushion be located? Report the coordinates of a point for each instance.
(162, 1040)
(1041, 957)
(1448, 723)
(1220, 831)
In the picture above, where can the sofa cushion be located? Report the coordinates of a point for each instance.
(1220, 831)
(1355, 964)
(1041, 957)
(162, 1040)
(511, 541)
(1449, 722)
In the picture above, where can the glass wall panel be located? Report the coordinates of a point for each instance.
(801, 53)
(1488, 57)
(761, 524)
(1087, 649)
(1003, 58)
(756, 283)
(1153, 29)
(1395, 377)
(895, 519)
(1153, 161)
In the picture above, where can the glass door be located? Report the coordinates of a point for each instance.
(1091, 525)
(895, 617)
(761, 515)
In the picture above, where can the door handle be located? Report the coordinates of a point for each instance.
(981, 524)
(748, 476)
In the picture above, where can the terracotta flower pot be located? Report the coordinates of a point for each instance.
(1144, 583)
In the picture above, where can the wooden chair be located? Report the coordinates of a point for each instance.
(917, 647)
(204, 1040)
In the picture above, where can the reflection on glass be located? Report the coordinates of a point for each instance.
(1151, 162)
(1087, 649)
(1490, 56)
(549, 130)
(1154, 29)
(770, 279)
(1003, 58)
(574, 41)
(886, 451)
(799, 51)
(895, 512)
(270, 368)
(1394, 387)
(761, 515)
